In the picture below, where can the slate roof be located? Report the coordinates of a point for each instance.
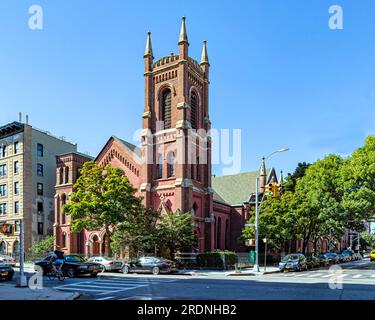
(234, 189)
(131, 147)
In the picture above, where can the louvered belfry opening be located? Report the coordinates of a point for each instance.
(167, 109)
(193, 110)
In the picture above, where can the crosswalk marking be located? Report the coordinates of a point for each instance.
(107, 286)
(328, 275)
(315, 275)
(357, 276)
(372, 276)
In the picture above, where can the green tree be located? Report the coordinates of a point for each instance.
(43, 246)
(358, 186)
(102, 197)
(175, 231)
(138, 232)
(291, 179)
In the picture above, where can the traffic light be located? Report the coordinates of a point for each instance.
(6, 228)
(280, 188)
(275, 190)
(269, 190)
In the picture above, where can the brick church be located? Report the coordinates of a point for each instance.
(172, 167)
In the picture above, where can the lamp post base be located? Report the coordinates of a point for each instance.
(21, 282)
(256, 268)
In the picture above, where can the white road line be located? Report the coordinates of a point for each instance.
(315, 275)
(105, 298)
(118, 285)
(357, 276)
(100, 287)
(372, 276)
(300, 275)
(328, 275)
(79, 289)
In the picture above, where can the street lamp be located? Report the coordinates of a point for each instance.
(256, 265)
(265, 253)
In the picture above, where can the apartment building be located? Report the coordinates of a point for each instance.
(27, 183)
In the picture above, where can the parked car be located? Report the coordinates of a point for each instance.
(312, 262)
(72, 267)
(332, 258)
(323, 260)
(341, 257)
(8, 260)
(150, 265)
(372, 255)
(294, 261)
(347, 257)
(6, 272)
(108, 264)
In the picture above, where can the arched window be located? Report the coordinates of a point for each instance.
(3, 248)
(166, 108)
(66, 174)
(16, 248)
(171, 160)
(218, 240)
(194, 106)
(159, 167)
(61, 174)
(63, 241)
(198, 171)
(63, 202)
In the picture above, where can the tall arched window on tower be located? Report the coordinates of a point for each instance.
(171, 161)
(166, 108)
(66, 174)
(159, 167)
(61, 174)
(193, 105)
(63, 202)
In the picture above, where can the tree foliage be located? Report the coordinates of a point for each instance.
(175, 231)
(103, 197)
(43, 246)
(321, 200)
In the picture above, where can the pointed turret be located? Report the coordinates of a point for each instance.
(148, 50)
(183, 33)
(281, 177)
(148, 56)
(204, 58)
(183, 40)
(262, 176)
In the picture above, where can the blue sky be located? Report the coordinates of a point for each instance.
(278, 72)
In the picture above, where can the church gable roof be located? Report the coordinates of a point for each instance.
(234, 189)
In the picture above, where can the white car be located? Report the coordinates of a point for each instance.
(109, 264)
(7, 260)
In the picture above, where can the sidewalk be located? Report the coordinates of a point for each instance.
(8, 291)
(225, 273)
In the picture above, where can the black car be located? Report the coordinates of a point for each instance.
(294, 261)
(73, 266)
(150, 265)
(6, 272)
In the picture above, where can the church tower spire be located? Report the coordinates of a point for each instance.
(183, 41)
(148, 50)
(262, 176)
(204, 57)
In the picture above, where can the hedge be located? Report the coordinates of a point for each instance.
(215, 259)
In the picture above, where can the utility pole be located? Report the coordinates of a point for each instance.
(256, 264)
(22, 281)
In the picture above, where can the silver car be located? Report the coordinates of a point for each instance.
(7, 260)
(109, 264)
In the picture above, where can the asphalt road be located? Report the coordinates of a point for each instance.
(354, 280)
